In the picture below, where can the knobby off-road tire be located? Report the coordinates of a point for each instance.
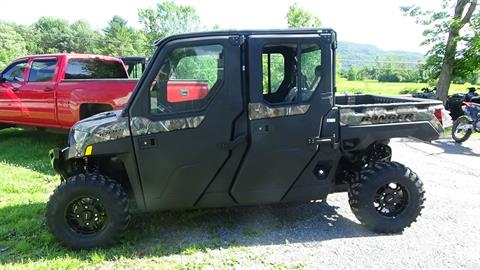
(88, 211)
(457, 137)
(386, 197)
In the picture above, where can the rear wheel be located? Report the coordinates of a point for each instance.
(88, 211)
(460, 130)
(386, 197)
(379, 152)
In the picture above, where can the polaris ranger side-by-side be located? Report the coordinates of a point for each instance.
(255, 120)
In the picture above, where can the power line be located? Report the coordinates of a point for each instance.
(380, 62)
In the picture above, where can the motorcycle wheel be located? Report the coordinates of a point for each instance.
(459, 132)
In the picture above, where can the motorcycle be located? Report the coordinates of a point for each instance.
(468, 123)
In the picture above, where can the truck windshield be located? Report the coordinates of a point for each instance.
(89, 69)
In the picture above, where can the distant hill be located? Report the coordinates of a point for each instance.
(362, 55)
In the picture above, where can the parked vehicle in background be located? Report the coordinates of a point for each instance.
(455, 102)
(472, 95)
(57, 90)
(135, 65)
(426, 93)
(239, 118)
(468, 123)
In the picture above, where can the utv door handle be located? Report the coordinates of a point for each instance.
(15, 88)
(48, 89)
(324, 140)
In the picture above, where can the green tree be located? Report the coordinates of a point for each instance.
(53, 35)
(468, 66)
(83, 38)
(370, 72)
(298, 17)
(12, 44)
(28, 34)
(120, 39)
(167, 19)
(386, 70)
(445, 29)
(353, 74)
(338, 66)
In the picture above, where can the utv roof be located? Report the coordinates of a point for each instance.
(326, 31)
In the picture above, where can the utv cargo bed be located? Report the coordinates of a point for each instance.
(362, 100)
(375, 117)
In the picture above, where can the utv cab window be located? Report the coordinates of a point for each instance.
(91, 69)
(311, 70)
(291, 73)
(187, 78)
(15, 72)
(273, 71)
(42, 70)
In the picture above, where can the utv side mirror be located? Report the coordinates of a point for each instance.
(2, 80)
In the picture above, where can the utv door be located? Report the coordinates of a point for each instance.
(290, 87)
(183, 117)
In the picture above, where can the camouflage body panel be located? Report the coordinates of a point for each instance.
(385, 115)
(112, 126)
(144, 126)
(102, 127)
(262, 111)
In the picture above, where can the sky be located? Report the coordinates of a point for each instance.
(376, 22)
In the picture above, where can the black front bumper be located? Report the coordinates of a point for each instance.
(58, 159)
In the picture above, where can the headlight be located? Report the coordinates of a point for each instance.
(77, 137)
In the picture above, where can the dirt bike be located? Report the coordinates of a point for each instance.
(468, 123)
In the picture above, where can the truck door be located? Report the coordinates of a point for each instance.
(12, 79)
(290, 87)
(38, 93)
(183, 115)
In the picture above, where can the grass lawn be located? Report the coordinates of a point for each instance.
(375, 87)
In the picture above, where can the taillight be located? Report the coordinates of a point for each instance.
(438, 115)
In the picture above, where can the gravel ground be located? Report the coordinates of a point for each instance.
(322, 235)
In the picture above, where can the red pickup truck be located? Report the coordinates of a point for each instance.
(57, 90)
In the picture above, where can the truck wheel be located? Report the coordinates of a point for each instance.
(459, 132)
(88, 211)
(386, 197)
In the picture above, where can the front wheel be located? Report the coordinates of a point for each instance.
(461, 129)
(386, 197)
(88, 211)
